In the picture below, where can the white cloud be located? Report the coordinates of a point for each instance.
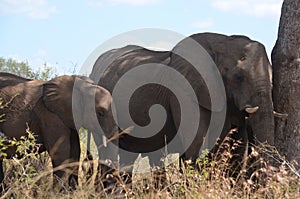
(35, 9)
(259, 8)
(203, 24)
(98, 3)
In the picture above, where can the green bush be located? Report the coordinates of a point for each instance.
(21, 68)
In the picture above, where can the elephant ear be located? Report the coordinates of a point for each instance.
(57, 97)
(194, 58)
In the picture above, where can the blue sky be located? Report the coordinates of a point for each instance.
(64, 33)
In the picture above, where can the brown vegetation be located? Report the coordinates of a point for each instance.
(270, 177)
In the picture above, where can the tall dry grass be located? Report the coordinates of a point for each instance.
(256, 176)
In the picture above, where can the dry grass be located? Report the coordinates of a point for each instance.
(254, 176)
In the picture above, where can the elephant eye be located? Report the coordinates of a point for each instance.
(239, 77)
(101, 113)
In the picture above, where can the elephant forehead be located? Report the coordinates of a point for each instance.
(102, 98)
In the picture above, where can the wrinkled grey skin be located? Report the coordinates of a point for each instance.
(246, 73)
(244, 67)
(125, 59)
(49, 108)
(107, 58)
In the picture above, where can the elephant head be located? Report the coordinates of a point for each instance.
(80, 103)
(246, 73)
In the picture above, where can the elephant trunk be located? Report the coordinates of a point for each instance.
(262, 121)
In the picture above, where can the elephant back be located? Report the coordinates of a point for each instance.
(20, 100)
(108, 58)
(127, 61)
(8, 79)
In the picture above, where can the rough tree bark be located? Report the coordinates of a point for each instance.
(286, 81)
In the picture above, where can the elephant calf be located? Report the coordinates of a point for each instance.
(54, 110)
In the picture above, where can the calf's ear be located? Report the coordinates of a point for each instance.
(57, 97)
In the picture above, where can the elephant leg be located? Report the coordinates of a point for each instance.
(226, 128)
(107, 164)
(1, 171)
(159, 177)
(193, 151)
(239, 149)
(60, 155)
(2, 186)
(242, 136)
(127, 160)
(176, 114)
(75, 156)
(191, 143)
(106, 177)
(249, 162)
(56, 138)
(59, 158)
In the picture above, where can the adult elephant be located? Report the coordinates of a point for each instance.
(245, 71)
(54, 110)
(107, 71)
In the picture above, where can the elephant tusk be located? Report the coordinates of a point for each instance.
(104, 140)
(280, 115)
(251, 110)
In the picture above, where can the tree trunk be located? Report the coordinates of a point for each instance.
(286, 81)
